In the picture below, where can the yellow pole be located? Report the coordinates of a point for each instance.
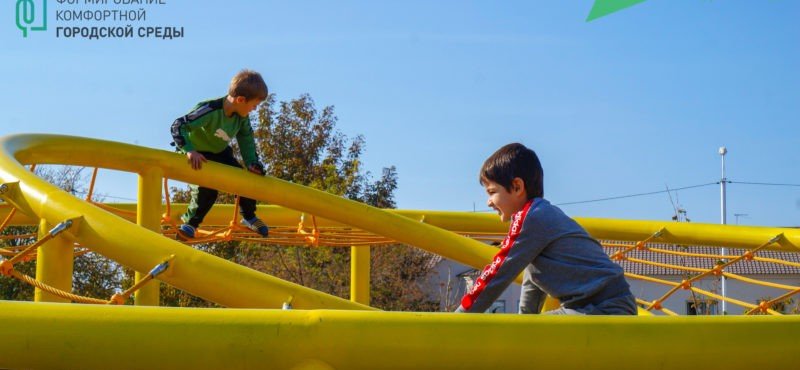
(148, 216)
(52, 336)
(53, 265)
(359, 274)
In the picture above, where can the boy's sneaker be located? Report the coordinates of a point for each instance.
(257, 225)
(185, 232)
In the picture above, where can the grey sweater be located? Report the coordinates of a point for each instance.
(559, 259)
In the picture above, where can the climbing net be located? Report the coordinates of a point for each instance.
(696, 264)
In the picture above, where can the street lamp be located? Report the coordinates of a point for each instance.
(723, 220)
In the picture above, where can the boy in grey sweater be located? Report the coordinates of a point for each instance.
(557, 256)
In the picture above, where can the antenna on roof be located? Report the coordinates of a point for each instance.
(680, 213)
(669, 193)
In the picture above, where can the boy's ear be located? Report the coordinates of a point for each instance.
(239, 99)
(517, 185)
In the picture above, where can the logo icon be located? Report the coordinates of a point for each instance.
(603, 8)
(222, 135)
(28, 18)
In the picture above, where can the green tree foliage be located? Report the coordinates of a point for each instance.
(96, 276)
(300, 144)
(13, 289)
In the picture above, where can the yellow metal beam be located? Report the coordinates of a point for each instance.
(111, 238)
(81, 151)
(196, 272)
(54, 264)
(359, 274)
(734, 236)
(148, 216)
(133, 337)
(35, 198)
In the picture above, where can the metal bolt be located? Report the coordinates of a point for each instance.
(3, 188)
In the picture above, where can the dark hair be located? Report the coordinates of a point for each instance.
(249, 84)
(512, 161)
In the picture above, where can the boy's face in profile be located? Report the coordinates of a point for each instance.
(243, 107)
(506, 202)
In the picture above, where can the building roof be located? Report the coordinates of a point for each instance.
(743, 267)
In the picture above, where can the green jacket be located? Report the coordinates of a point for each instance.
(207, 129)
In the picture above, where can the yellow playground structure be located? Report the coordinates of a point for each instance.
(274, 324)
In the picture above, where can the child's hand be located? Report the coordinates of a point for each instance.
(196, 159)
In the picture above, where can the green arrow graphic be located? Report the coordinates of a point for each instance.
(603, 8)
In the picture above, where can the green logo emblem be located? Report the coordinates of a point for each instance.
(26, 16)
(603, 8)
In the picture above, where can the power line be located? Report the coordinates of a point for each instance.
(627, 196)
(636, 195)
(763, 183)
(664, 191)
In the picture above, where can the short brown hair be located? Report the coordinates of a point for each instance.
(248, 84)
(512, 161)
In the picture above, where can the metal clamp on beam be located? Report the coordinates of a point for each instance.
(776, 239)
(58, 229)
(161, 267)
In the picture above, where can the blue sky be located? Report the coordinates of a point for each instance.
(626, 104)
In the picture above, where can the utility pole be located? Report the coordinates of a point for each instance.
(737, 215)
(723, 220)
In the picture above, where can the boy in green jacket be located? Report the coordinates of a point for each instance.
(205, 134)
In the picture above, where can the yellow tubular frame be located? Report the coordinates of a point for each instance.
(50, 335)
